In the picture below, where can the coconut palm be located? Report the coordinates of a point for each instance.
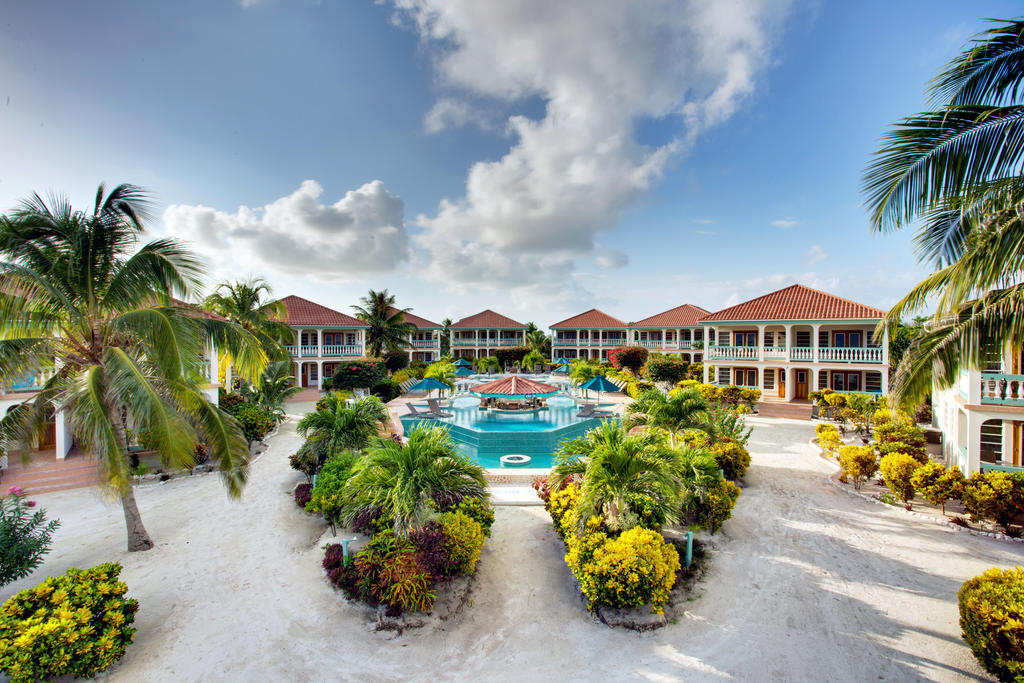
(446, 340)
(344, 424)
(581, 372)
(401, 480)
(443, 371)
(489, 364)
(276, 385)
(81, 295)
(616, 465)
(957, 172)
(685, 410)
(248, 303)
(537, 341)
(388, 329)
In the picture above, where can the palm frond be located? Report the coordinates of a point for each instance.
(989, 72)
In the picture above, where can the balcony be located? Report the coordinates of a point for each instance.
(426, 343)
(30, 382)
(801, 353)
(330, 351)
(774, 353)
(998, 388)
(733, 353)
(850, 354)
(493, 342)
(826, 354)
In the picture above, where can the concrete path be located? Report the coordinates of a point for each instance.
(808, 584)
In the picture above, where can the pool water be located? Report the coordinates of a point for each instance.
(486, 435)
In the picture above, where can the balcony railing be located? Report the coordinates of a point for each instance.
(850, 354)
(801, 353)
(583, 341)
(826, 354)
(30, 382)
(426, 343)
(1002, 389)
(329, 351)
(775, 353)
(510, 341)
(733, 353)
(334, 351)
(999, 467)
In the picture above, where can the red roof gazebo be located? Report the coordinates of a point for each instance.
(514, 386)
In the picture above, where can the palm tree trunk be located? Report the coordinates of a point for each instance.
(138, 537)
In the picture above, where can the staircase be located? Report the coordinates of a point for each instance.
(792, 411)
(44, 473)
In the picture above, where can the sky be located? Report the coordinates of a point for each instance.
(535, 158)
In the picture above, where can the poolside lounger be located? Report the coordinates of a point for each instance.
(435, 408)
(419, 413)
(586, 410)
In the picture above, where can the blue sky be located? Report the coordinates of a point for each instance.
(531, 157)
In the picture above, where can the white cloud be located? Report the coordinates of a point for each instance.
(703, 221)
(611, 258)
(706, 232)
(784, 223)
(362, 233)
(600, 66)
(816, 254)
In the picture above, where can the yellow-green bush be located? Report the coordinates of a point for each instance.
(993, 495)
(710, 392)
(898, 470)
(562, 508)
(77, 623)
(733, 458)
(828, 437)
(717, 505)
(938, 483)
(633, 569)
(859, 463)
(464, 539)
(992, 621)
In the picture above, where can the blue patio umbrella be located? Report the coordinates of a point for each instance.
(562, 368)
(599, 384)
(463, 363)
(463, 371)
(561, 360)
(428, 384)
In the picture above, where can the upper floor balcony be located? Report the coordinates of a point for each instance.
(426, 343)
(807, 354)
(328, 351)
(495, 342)
(33, 381)
(584, 341)
(998, 388)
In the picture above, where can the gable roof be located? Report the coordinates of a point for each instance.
(420, 323)
(797, 302)
(686, 315)
(591, 318)
(304, 312)
(487, 318)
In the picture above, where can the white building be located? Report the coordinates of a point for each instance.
(425, 341)
(323, 338)
(480, 335)
(675, 331)
(588, 335)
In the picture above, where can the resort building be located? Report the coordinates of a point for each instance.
(426, 341)
(482, 334)
(587, 335)
(323, 338)
(797, 340)
(982, 416)
(677, 330)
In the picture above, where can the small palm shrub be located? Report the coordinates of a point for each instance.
(75, 624)
(938, 483)
(898, 470)
(857, 463)
(464, 539)
(733, 458)
(992, 621)
(24, 536)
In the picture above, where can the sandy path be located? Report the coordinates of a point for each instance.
(809, 584)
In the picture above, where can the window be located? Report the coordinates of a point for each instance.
(822, 338)
(769, 339)
(873, 381)
(839, 340)
(839, 381)
(312, 372)
(745, 377)
(745, 338)
(350, 338)
(769, 379)
(723, 376)
(855, 339)
(803, 338)
(992, 441)
(853, 381)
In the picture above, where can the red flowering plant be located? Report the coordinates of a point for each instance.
(358, 374)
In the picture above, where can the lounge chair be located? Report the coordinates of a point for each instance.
(419, 413)
(590, 410)
(435, 408)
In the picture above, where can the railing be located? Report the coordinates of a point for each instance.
(1002, 389)
(426, 343)
(802, 353)
(510, 341)
(565, 342)
(335, 350)
(30, 382)
(850, 354)
(732, 352)
(583, 341)
(998, 467)
(330, 350)
(775, 353)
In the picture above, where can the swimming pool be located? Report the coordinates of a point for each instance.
(486, 435)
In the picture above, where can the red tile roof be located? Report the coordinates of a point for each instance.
(304, 312)
(591, 318)
(514, 385)
(421, 323)
(196, 311)
(487, 319)
(686, 315)
(797, 302)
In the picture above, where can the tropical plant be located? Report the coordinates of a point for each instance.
(442, 371)
(615, 465)
(24, 536)
(489, 364)
(534, 358)
(81, 294)
(956, 172)
(511, 356)
(358, 374)
(670, 369)
(828, 437)
(938, 483)
(732, 458)
(992, 621)
(446, 339)
(997, 496)
(247, 303)
(464, 539)
(388, 329)
(402, 480)
(276, 386)
(255, 421)
(631, 358)
(898, 470)
(858, 463)
(328, 494)
(716, 508)
(75, 624)
(684, 410)
(721, 422)
(344, 424)
(537, 341)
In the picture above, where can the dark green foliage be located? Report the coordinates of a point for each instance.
(256, 421)
(358, 374)
(24, 536)
(396, 360)
(388, 389)
(509, 356)
(666, 369)
(479, 510)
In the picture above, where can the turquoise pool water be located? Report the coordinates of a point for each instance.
(486, 435)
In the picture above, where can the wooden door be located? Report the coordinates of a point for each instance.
(303, 382)
(782, 382)
(801, 384)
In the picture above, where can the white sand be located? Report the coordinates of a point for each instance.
(810, 585)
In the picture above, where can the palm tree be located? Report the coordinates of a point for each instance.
(446, 341)
(388, 329)
(80, 294)
(489, 364)
(537, 341)
(616, 465)
(247, 303)
(342, 424)
(957, 170)
(275, 387)
(401, 481)
(675, 414)
(443, 371)
(581, 372)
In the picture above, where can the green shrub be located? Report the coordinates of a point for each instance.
(858, 463)
(646, 511)
(387, 571)
(633, 569)
(710, 392)
(479, 510)
(355, 374)
(994, 496)
(256, 421)
(327, 497)
(992, 621)
(396, 359)
(464, 539)
(323, 402)
(695, 372)
(666, 369)
(750, 397)
(24, 536)
(717, 506)
(898, 470)
(388, 389)
(732, 394)
(937, 483)
(77, 623)
(901, 435)
(733, 458)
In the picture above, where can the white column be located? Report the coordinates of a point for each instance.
(974, 421)
(791, 382)
(319, 373)
(706, 368)
(298, 373)
(319, 344)
(63, 433)
(885, 348)
(211, 352)
(814, 342)
(228, 377)
(664, 337)
(789, 344)
(760, 341)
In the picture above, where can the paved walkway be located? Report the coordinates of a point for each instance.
(808, 584)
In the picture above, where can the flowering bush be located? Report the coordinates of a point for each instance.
(77, 623)
(562, 508)
(631, 358)
(720, 498)
(938, 483)
(24, 536)
(992, 621)
(858, 463)
(303, 492)
(661, 368)
(733, 458)
(898, 470)
(464, 539)
(828, 437)
(356, 374)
